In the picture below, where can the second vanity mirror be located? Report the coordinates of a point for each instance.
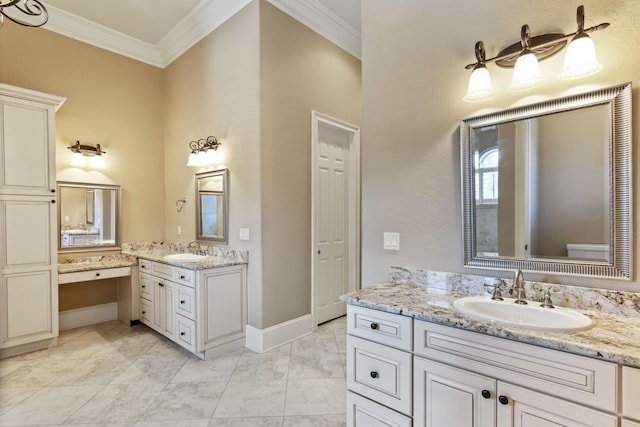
(88, 216)
(547, 187)
(212, 206)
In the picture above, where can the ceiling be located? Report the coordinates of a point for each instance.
(159, 31)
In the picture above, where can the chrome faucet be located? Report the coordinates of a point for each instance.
(518, 286)
(197, 244)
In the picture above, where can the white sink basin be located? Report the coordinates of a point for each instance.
(184, 257)
(530, 316)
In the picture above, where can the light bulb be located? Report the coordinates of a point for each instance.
(479, 85)
(211, 155)
(202, 158)
(97, 162)
(77, 159)
(193, 159)
(526, 73)
(580, 60)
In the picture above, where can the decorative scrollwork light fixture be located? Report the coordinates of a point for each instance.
(203, 151)
(580, 60)
(81, 150)
(30, 13)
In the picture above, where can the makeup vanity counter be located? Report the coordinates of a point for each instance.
(412, 359)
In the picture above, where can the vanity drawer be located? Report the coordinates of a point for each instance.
(580, 379)
(186, 301)
(380, 373)
(146, 286)
(386, 328)
(186, 335)
(162, 270)
(630, 392)
(145, 265)
(146, 312)
(362, 412)
(184, 276)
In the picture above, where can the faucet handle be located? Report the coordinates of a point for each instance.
(546, 300)
(496, 294)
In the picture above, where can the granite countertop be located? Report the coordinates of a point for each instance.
(217, 256)
(614, 338)
(212, 261)
(72, 265)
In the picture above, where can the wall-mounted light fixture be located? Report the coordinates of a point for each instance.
(580, 60)
(203, 151)
(80, 151)
(30, 13)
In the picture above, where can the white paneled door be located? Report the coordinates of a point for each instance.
(335, 215)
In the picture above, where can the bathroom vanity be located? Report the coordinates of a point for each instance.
(413, 360)
(201, 305)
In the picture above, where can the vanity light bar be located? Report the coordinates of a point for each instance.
(81, 150)
(523, 57)
(203, 151)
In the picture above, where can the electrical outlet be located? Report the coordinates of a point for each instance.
(244, 234)
(179, 230)
(391, 241)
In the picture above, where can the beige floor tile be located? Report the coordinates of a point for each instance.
(185, 401)
(315, 365)
(215, 369)
(316, 397)
(252, 399)
(261, 367)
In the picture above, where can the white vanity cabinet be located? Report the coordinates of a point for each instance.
(28, 225)
(462, 378)
(202, 310)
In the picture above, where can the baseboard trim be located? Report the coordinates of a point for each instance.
(261, 340)
(88, 315)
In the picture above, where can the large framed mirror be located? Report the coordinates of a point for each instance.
(88, 216)
(548, 187)
(212, 206)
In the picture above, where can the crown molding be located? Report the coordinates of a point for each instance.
(204, 19)
(89, 32)
(323, 21)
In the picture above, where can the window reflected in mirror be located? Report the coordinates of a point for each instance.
(88, 216)
(212, 193)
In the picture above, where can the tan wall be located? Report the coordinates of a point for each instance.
(413, 83)
(213, 89)
(300, 71)
(111, 100)
(85, 294)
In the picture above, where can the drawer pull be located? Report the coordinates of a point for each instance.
(182, 302)
(486, 394)
(144, 286)
(143, 266)
(144, 312)
(375, 326)
(182, 277)
(374, 374)
(161, 285)
(503, 399)
(182, 334)
(97, 274)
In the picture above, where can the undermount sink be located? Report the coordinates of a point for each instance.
(530, 316)
(184, 257)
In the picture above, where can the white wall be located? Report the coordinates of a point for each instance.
(413, 78)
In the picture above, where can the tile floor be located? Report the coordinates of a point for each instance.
(112, 374)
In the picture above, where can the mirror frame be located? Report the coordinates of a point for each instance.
(225, 209)
(89, 186)
(618, 98)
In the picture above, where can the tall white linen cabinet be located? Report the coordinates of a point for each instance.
(28, 221)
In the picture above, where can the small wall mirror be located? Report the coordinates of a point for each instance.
(547, 187)
(212, 206)
(88, 216)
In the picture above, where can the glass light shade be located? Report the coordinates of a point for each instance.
(77, 159)
(479, 85)
(526, 73)
(97, 162)
(193, 159)
(202, 158)
(211, 155)
(580, 60)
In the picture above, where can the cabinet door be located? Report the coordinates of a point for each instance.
(520, 407)
(221, 298)
(29, 307)
(164, 307)
(447, 396)
(362, 412)
(27, 143)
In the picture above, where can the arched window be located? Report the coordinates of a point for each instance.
(486, 167)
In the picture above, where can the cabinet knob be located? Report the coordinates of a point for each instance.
(53, 190)
(161, 285)
(181, 301)
(503, 399)
(143, 266)
(182, 334)
(373, 374)
(143, 286)
(375, 326)
(53, 201)
(97, 274)
(182, 277)
(144, 312)
(486, 394)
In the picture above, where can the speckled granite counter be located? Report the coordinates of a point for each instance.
(217, 256)
(73, 265)
(429, 296)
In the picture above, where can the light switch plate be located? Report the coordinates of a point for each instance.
(391, 241)
(244, 234)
